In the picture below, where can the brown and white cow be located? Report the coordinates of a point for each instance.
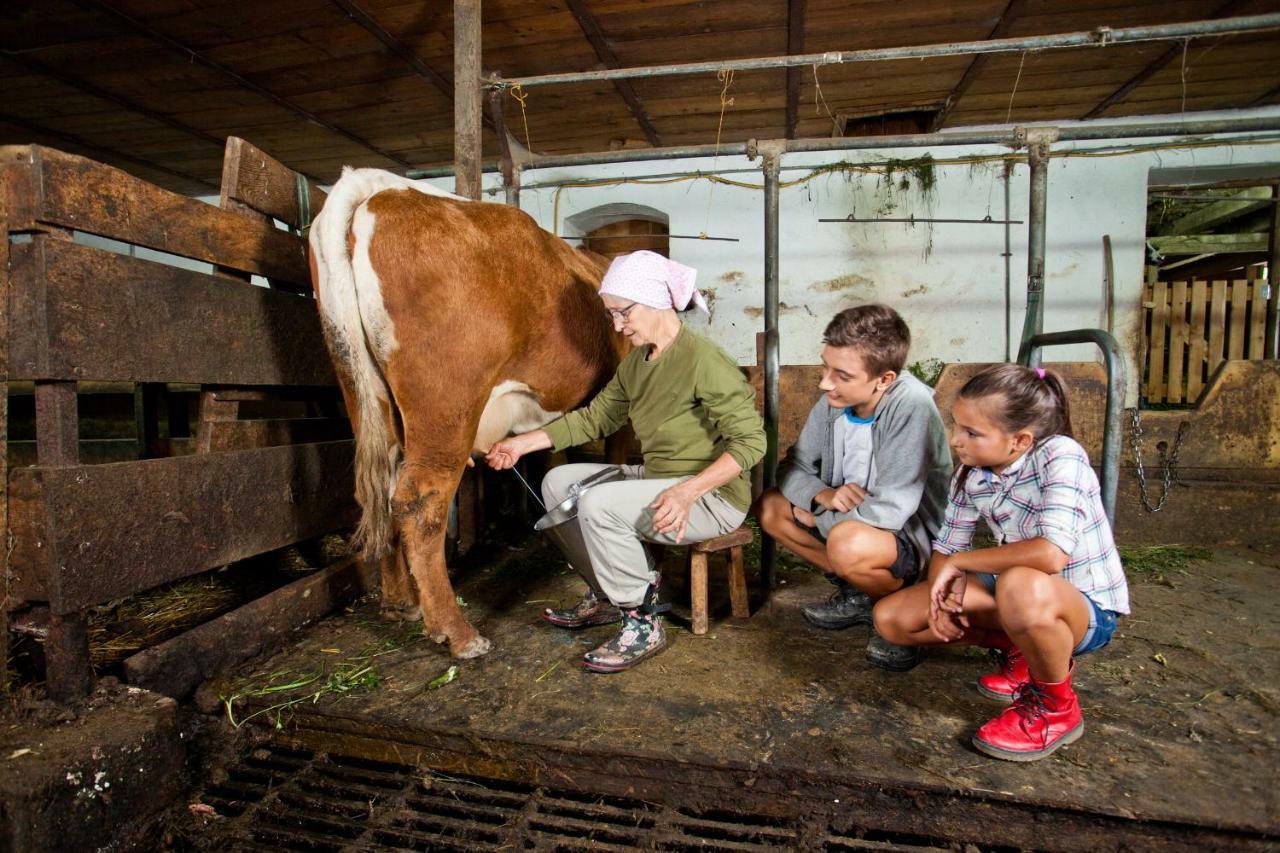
(451, 324)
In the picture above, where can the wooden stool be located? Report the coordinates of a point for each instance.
(698, 552)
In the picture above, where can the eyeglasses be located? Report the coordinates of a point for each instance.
(622, 315)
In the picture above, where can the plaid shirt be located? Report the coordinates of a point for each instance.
(1049, 492)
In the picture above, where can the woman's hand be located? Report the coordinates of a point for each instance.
(671, 510)
(946, 603)
(843, 499)
(506, 453)
(803, 517)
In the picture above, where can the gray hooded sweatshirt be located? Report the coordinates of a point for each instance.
(912, 464)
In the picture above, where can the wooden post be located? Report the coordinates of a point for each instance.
(5, 574)
(66, 649)
(738, 584)
(467, 122)
(698, 590)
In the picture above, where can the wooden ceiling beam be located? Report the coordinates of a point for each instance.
(796, 10)
(402, 51)
(196, 56)
(36, 66)
(107, 154)
(1265, 98)
(591, 29)
(1173, 52)
(1003, 24)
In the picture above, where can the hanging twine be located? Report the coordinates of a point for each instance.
(819, 98)
(725, 76)
(1009, 113)
(521, 95)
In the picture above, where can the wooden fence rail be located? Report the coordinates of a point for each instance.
(1190, 327)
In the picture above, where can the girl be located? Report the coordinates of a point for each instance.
(1051, 589)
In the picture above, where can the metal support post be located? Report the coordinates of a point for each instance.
(771, 154)
(509, 165)
(1271, 347)
(467, 112)
(1029, 354)
(1038, 141)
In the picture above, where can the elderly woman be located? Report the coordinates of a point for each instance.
(700, 434)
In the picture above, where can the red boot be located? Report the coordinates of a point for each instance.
(1002, 685)
(1042, 718)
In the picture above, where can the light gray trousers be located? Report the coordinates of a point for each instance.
(615, 520)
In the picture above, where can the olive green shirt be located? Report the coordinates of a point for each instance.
(688, 407)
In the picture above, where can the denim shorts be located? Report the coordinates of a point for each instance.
(1102, 623)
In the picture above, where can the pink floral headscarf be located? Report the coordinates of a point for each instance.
(650, 279)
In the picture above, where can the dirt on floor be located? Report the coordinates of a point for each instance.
(1180, 709)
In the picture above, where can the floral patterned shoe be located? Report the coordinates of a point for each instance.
(587, 612)
(641, 637)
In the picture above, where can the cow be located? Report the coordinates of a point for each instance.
(451, 324)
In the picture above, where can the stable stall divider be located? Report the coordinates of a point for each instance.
(81, 535)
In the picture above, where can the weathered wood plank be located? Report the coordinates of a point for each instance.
(73, 192)
(1237, 332)
(1196, 341)
(1203, 244)
(82, 313)
(1257, 316)
(1159, 322)
(177, 666)
(88, 534)
(1177, 341)
(1217, 324)
(254, 178)
(243, 435)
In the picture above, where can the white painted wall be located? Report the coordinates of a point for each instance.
(946, 280)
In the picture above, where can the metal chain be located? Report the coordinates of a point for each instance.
(1168, 461)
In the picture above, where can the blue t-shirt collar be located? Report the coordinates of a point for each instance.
(854, 419)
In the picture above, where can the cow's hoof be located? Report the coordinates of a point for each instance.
(473, 648)
(401, 613)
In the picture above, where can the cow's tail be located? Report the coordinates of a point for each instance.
(341, 294)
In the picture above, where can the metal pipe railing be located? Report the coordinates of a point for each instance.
(1116, 387)
(772, 159)
(1014, 137)
(1099, 37)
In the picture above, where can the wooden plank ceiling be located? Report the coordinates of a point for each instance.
(155, 86)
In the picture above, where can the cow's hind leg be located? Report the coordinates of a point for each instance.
(423, 495)
(399, 594)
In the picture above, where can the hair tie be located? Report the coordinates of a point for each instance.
(1040, 372)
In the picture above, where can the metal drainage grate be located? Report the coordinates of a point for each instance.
(280, 799)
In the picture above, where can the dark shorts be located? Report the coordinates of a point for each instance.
(1102, 622)
(907, 565)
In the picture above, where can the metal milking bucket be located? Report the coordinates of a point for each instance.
(560, 524)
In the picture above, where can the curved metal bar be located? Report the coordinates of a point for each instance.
(1116, 386)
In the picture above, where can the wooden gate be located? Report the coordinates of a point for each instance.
(1190, 327)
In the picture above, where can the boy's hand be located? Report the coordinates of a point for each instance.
(843, 499)
(946, 603)
(804, 517)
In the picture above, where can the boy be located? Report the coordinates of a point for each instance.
(861, 494)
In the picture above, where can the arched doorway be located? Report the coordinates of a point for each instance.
(616, 229)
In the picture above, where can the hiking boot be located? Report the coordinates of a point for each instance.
(1042, 718)
(641, 637)
(886, 655)
(846, 607)
(1011, 673)
(589, 611)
